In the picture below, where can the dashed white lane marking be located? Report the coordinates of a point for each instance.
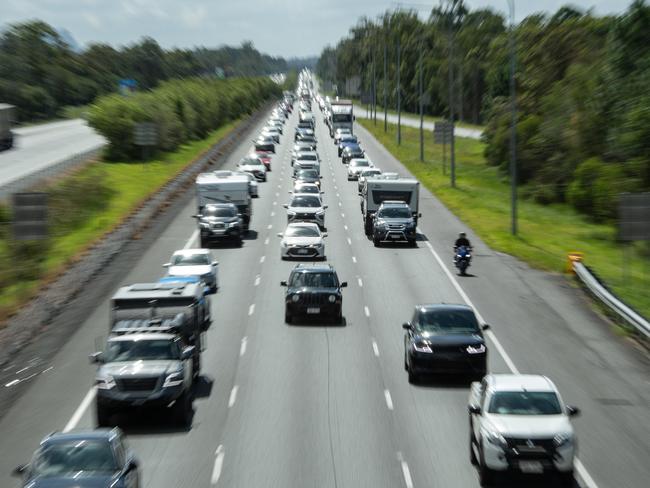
(272, 214)
(342, 215)
(389, 400)
(277, 194)
(218, 464)
(233, 396)
(349, 241)
(279, 186)
(408, 480)
(81, 409)
(251, 309)
(191, 240)
(338, 196)
(375, 348)
(262, 259)
(242, 348)
(345, 227)
(366, 310)
(257, 280)
(360, 281)
(275, 203)
(354, 260)
(270, 226)
(266, 241)
(340, 204)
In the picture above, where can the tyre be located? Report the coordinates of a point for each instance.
(288, 318)
(411, 242)
(472, 455)
(413, 378)
(183, 409)
(486, 476)
(205, 243)
(567, 480)
(376, 241)
(103, 416)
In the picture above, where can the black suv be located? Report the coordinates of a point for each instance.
(393, 221)
(351, 151)
(219, 221)
(313, 291)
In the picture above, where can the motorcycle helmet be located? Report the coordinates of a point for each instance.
(462, 234)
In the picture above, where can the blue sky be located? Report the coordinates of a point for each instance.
(279, 27)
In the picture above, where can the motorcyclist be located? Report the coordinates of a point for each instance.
(461, 241)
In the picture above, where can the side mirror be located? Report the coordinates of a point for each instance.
(320, 177)
(167, 265)
(325, 234)
(280, 234)
(419, 216)
(407, 326)
(206, 291)
(215, 263)
(197, 216)
(187, 353)
(572, 411)
(344, 284)
(96, 357)
(325, 206)
(286, 205)
(485, 327)
(474, 409)
(283, 283)
(19, 471)
(133, 465)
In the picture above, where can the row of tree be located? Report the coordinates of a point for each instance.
(583, 90)
(40, 72)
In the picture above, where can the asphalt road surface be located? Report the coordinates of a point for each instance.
(40, 146)
(328, 406)
(410, 121)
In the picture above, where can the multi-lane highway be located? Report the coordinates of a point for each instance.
(41, 146)
(330, 406)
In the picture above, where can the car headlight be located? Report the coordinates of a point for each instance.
(295, 298)
(173, 379)
(381, 224)
(204, 225)
(105, 382)
(563, 440)
(320, 212)
(233, 224)
(496, 439)
(291, 212)
(422, 347)
(480, 349)
(332, 298)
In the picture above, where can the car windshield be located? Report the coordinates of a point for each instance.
(251, 162)
(302, 231)
(306, 189)
(394, 213)
(306, 201)
(525, 403)
(440, 322)
(313, 280)
(359, 162)
(74, 457)
(353, 148)
(145, 350)
(190, 259)
(370, 172)
(307, 157)
(307, 173)
(219, 212)
(349, 139)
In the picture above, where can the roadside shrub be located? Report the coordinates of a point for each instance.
(183, 110)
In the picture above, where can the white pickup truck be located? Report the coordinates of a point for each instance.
(519, 425)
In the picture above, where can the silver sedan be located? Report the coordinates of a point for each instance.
(302, 240)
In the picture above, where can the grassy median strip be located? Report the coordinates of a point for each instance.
(85, 206)
(546, 233)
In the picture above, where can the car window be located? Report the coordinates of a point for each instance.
(305, 201)
(306, 189)
(190, 259)
(219, 212)
(59, 459)
(394, 213)
(314, 280)
(442, 322)
(302, 231)
(525, 403)
(308, 173)
(360, 162)
(145, 350)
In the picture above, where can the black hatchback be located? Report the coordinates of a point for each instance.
(444, 338)
(313, 291)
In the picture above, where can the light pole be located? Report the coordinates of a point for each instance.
(513, 122)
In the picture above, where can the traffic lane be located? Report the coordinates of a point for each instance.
(430, 418)
(311, 405)
(41, 146)
(547, 328)
(54, 396)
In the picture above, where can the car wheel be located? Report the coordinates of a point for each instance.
(472, 455)
(204, 242)
(287, 317)
(567, 480)
(183, 409)
(411, 242)
(376, 241)
(486, 476)
(413, 377)
(103, 416)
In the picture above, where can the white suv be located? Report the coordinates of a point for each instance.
(518, 424)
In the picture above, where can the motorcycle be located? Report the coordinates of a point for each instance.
(463, 258)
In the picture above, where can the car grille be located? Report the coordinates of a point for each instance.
(299, 251)
(396, 226)
(313, 299)
(137, 384)
(219, 225)
(524, 448)
(305, 216)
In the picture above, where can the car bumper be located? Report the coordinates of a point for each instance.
(300, 252)
(498, 459)
(217, 234)
(395, 235)
(120, 400)
(314, 310)
(432, 363)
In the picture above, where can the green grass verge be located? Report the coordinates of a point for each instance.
(546, 233)
(129, 184)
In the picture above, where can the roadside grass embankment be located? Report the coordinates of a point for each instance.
(547, 233)
(83, 207)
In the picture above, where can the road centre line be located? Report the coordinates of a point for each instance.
(345, 226)
(408, 480)
(262, 259)
(266, 241)
(349, 241)
(375, 348)
(366, 310)
(270, 226)
(272, 214)
(242, 348)
(389, 400)
(257, 280)
(360, 281)
(233, 396)
(218, 465)
(580, 468)
(354, 260)
(251, 309)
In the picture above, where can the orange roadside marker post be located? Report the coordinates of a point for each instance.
(573, 257)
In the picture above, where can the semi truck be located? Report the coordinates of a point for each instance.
(377, 191)
(341, 116)
(7, 119)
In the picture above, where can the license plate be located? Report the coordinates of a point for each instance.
(533, 467)
(302, 251)
(313, 310)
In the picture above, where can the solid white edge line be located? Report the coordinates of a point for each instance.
(251, 309)
(191, 240)
(242, 348)
(233, 396)
(389, 400)
(81, 409)
(580, 468)
(218, 464)
(375, 348)
(408, 480)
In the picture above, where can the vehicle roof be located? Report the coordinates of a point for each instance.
(191, 252)
(221, 177)
(303, 224)
(430, 307)
(219, 205)
(180, 279)
(141, 336)
(352, 147)
(393, 203)
(518, 382)
(313, 268)
(139, 291)
(81, 435)
(306, 153)
(355, 160)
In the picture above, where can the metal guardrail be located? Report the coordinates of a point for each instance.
(610, 301)
(25, 182)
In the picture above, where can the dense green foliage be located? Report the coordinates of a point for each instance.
(40, 73)
(582, 91)
(183, 110)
